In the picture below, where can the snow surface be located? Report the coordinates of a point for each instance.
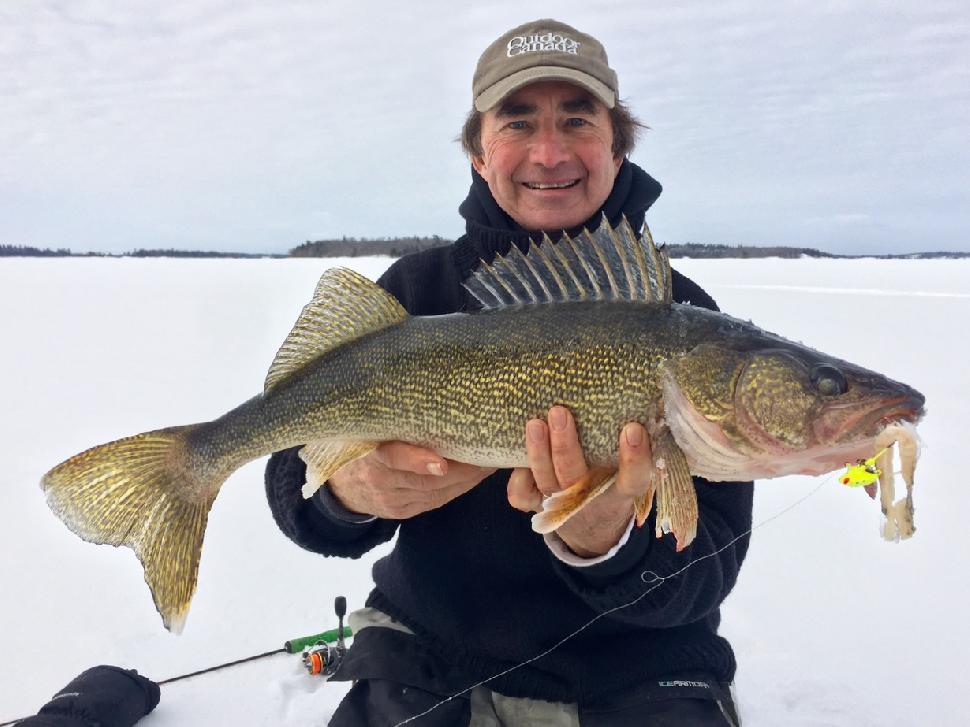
(832, 626)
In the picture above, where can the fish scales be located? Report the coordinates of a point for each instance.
(467, 384)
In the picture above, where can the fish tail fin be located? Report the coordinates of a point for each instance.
(142, 492)
(558, 508)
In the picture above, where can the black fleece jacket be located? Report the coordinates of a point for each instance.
(480, 588)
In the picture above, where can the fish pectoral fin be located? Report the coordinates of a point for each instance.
(326, 456)
(558, 508)
(644, 504)
(676, 496)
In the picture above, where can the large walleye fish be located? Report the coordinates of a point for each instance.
(587, 323)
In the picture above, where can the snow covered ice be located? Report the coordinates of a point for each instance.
(831, 625)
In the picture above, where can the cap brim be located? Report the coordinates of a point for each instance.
(491, 96)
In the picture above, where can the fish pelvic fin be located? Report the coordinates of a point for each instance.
(558, 508)
(676, 496)
(345, 307)
(612, 264)
(325, 457)
(140, 492)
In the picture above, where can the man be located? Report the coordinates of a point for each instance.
(470, 595)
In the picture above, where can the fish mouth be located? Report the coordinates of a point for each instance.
(910, 410)
(843, 423)
(823, 459)
(848, 432)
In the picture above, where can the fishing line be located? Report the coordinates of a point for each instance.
(649, 578)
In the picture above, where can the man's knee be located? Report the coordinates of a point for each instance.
(382, 703)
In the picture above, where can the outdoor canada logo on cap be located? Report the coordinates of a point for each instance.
(546, 42)
(543, 50)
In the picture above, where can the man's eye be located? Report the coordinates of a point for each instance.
(576, 122)
(516, 125)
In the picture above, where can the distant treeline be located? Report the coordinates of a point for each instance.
(354, 246)
(27, 251)
(699, 250)
(194, 253)
(398, 246)
(395, 247)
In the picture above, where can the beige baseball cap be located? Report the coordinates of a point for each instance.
(543, 50)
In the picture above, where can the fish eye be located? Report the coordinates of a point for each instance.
(828, 380)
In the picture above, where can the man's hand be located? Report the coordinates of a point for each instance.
(556, 461)
(399, 480)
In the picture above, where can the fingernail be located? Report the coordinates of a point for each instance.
(533, 430)
(633, 434)
(557, 418)
(435, 468)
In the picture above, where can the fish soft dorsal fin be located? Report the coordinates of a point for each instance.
(608, 264)
(345, 306)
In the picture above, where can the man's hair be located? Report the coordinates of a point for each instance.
(626, 128)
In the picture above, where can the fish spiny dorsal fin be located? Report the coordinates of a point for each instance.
(565, 258)
(517, 273)
(345, 306)
(657, 267)
(608, 264)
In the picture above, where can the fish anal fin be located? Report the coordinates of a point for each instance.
(558, 508)
(676, 497)
(325, 457)
(345, 306)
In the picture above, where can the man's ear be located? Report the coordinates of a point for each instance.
(478, 163)
(617, 163)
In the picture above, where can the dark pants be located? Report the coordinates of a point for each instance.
(380, 703)
(395, 681)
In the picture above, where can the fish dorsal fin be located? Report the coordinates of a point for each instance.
(345, 306)
(608, 264)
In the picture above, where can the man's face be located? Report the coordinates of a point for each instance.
(547, 155)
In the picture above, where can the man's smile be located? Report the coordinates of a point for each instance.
(551, 185)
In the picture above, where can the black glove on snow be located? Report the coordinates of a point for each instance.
(102, 696)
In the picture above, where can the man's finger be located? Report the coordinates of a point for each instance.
(411, 458)
(539, 455)
(636, 461)
(567, 455)
(522, 491)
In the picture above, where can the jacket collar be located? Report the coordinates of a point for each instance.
(490, 231)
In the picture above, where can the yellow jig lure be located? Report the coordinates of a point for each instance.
(864, 472)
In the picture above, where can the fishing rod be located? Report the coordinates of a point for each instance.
(322, 653)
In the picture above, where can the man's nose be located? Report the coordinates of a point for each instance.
(549, 148)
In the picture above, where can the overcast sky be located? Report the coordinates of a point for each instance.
(255, 126)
